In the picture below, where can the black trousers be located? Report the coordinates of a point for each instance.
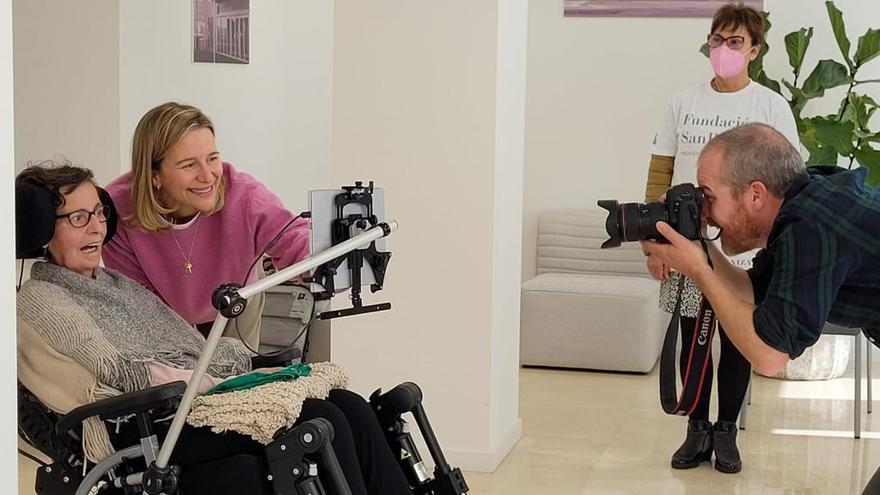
(364, 455)
(734, 372)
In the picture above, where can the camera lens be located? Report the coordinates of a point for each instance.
(638, 221)
(612, 223)
(630, 222)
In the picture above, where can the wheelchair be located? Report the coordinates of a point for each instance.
(289, 465)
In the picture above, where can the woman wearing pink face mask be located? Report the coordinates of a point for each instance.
(729, 99)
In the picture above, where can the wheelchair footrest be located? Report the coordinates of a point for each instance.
(56, 479)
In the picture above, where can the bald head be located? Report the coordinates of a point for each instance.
(756, 152)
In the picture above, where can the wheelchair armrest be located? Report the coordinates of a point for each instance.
(130, 403)
(283, 358)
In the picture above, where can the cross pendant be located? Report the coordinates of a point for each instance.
(187, 267)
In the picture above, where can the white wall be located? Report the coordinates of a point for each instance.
(272, 116)
(429, 104)
(599, 87)
(422, 91)
(67, 83)
(510, 100)
(8, 412)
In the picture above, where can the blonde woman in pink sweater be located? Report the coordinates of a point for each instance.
(192, 222)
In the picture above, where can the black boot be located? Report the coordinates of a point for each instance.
(727, 458)
(697, 447)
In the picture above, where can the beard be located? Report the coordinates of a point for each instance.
(741, 235)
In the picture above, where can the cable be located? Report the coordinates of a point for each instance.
(247, 276)
(269, 246)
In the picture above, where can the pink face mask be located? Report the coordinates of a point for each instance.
(727, 63)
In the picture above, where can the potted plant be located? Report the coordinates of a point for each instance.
(844, 136)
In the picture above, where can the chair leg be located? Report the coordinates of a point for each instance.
(868, 373)
(857, 404)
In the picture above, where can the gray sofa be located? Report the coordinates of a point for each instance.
(588, 307)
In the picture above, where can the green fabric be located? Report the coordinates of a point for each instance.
(257, 378)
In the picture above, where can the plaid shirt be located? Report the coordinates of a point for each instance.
(821, 263)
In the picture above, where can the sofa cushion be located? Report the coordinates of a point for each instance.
(595, 285)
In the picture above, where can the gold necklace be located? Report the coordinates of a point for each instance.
(187, 264)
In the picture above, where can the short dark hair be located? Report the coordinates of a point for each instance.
(57, 178)
(734, 15)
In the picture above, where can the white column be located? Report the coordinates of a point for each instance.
(8, 411)
(429, 104)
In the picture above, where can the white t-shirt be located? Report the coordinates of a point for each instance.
(700, 113)
(695, 116)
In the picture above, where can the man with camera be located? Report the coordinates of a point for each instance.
(821, 240)
(820, 233)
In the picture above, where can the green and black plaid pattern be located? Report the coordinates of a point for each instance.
(822, 262)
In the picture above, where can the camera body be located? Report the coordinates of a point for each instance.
(637, 221)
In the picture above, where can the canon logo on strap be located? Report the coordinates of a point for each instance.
(708, 317)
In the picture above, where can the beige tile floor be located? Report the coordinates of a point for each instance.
(604, 433)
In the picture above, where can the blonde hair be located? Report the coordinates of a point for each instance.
(157, 132)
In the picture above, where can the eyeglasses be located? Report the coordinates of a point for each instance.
(733, 42)
(80, 218)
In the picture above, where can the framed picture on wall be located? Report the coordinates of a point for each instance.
(649, 8)
(221, 31)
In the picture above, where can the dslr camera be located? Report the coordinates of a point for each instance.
(637, 221)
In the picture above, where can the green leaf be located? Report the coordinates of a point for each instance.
(798, 98)
(796, 44)
(809, 137)
(873, 178)
(870, 158)
(823, 156)
(705, 49)
(827, 74)
(807, 130)
(858, 109)
(852, 110)
(764, 80)
(836, 18)
(837, 135)
(869, 47)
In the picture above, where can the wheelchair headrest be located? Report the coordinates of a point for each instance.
(35, 219)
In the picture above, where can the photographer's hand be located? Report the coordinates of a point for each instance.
(682, 254)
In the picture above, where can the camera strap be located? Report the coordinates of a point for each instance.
(698, 359)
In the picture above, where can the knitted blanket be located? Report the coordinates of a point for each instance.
(261, 411)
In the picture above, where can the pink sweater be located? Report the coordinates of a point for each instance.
(223, 245)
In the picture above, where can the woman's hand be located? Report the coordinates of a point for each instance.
(162, 373)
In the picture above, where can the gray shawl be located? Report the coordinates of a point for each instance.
(115, 328)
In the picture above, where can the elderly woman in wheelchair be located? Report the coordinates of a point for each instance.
(87, 333)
